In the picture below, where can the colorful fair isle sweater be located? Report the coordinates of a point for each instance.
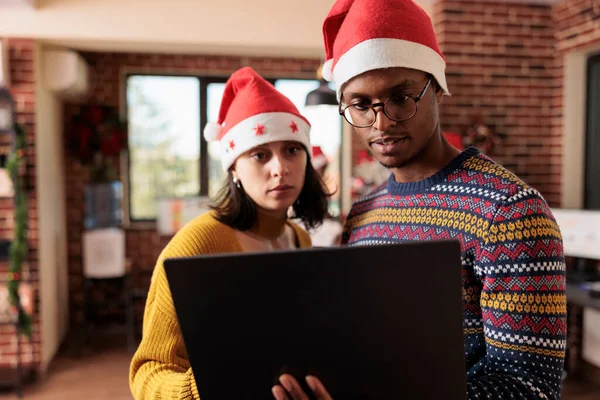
(513, 268)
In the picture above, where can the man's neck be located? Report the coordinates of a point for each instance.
(435, 156)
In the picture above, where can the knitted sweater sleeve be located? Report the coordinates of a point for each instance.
(160, 368)
(523, 303)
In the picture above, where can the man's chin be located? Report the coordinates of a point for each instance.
(395, 162)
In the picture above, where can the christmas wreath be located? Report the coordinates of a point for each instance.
(96, 137)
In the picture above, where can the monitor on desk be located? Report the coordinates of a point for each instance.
(580, 230)
(374, 322)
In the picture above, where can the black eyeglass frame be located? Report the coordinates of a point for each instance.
(342, 110)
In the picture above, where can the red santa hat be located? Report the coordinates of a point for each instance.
(252, 113)
(318, 158)
(364, 35)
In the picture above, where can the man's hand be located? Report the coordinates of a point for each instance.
(295, 391)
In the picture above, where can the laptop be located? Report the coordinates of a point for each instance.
(372, 322)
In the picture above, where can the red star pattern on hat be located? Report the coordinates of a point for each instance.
(231, 144)
(294, 127)
(259, 129)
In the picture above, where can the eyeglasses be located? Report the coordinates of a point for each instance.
(397, 108)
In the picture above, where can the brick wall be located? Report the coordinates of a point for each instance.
(22, 79)
(500, 65)
(144, 245)
(577, 26)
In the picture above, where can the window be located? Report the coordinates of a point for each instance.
(214, 94)
(164, 145)
(168, 156)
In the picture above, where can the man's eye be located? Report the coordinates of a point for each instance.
(360, 107)
(294, 149)
(399, 99)
(259, 156)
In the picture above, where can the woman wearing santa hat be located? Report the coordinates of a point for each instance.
(266, 153)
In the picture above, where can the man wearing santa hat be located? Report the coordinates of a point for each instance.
(390, 75)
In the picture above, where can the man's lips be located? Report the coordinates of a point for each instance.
(387, 140)
(388, 146)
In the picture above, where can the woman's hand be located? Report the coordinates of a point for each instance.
(295, 391)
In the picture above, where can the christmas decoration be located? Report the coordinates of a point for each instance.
(481, 136)
(96, 137)
(455, 139)
(367, 174)
(18, 248)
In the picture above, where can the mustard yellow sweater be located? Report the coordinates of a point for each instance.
(160, 368)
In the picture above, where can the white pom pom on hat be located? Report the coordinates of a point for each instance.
(327, 70)
(212, 131)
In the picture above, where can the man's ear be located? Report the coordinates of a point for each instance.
(439, 94)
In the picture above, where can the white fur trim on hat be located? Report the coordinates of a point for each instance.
(388, 53)
(277, 127)
(212, 131)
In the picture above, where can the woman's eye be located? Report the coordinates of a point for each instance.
(294, 149)
(259, 156)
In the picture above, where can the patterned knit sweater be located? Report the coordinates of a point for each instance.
(160, 368)
(513, 268)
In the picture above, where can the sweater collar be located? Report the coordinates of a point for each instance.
(407, 188)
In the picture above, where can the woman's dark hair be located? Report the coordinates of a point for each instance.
(235, 208)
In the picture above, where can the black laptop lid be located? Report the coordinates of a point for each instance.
(374, 322)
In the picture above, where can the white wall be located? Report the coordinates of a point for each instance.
(52, 218)
(283, 27)
(243, 27)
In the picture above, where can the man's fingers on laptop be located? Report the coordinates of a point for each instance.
(279, 393)
(317, 387)
(293, 387)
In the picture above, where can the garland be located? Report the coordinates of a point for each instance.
(18, 248)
